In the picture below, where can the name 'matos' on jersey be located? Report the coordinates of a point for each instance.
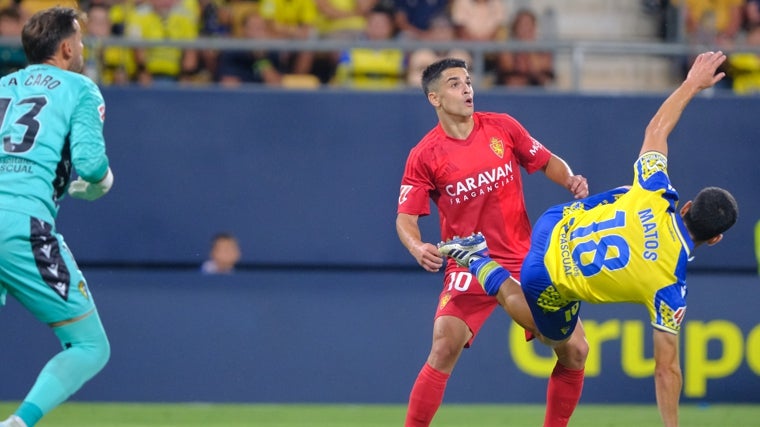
(632, 250)
(476, 183)
(49, 119)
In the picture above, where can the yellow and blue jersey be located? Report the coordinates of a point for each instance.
(622, 248)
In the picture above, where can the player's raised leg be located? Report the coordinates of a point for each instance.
(85, 352)
(465, 250)
(472, 252)
(566, 380)
(40, 272)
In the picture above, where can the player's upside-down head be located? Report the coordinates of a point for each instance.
(712, 212)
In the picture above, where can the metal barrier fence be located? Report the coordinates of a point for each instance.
(577, 52)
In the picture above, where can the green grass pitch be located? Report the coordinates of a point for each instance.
(75, 414)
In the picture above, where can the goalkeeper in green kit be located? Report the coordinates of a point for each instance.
(51, 119)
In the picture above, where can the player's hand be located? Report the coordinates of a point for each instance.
(86, 190)
(578, 186)
(428, 257)
(702, 72)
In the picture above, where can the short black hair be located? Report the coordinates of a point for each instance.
(713, 211)
(433, 71)
(45, 31)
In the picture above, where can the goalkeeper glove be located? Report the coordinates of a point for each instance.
(82, 189)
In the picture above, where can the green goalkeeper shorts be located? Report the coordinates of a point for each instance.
(38, 270)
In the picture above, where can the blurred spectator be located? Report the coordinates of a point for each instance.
(12, 58)
(223, 256)
(338, 20)
(414, 18)
(27, 8)
(367, 68)
(479, 20)
(119, 12)
(712, 22)
(105, 65)
(215, 18)
(751, 14)
(343, 19)
(744, 68)
(238, 11)
(441, 30)
(296, 20)
(528, 68)
(214, 21)
(236, 67)
(164, 20)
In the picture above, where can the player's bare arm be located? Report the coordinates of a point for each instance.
(667, 376)
(702, 75)
(559, 172)
(426, 254)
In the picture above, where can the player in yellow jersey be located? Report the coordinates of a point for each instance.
(630, 244)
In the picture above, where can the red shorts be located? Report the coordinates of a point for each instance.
(463, 297)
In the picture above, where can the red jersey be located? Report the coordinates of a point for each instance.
(476, 183)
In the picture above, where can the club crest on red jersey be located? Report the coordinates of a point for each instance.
(497, 146)
(444, 300)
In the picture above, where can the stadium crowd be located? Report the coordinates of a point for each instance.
(722, 23)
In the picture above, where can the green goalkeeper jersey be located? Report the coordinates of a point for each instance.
(50, 120)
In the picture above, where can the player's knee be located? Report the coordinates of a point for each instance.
(579, 350)
(573, 352)
(580, 343)
(100, 352)
(96, 344)
(93, 353)
(90, 342)
(444, 352)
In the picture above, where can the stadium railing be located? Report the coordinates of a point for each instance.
(575, 51)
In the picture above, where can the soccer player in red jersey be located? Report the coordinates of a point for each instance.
(469, 166)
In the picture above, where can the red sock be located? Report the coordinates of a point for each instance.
(426, 397)
(562, 395)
